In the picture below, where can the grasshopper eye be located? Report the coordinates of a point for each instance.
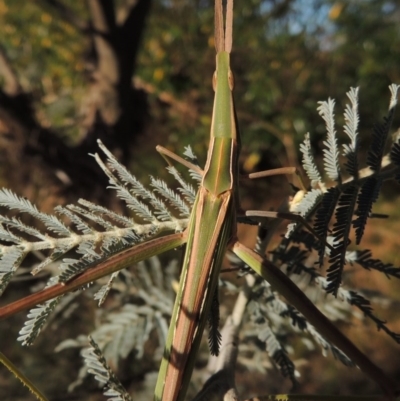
(214, 81)
(231, 80)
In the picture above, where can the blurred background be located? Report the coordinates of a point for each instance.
(137, 73)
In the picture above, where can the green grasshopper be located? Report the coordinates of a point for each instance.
(210, 232)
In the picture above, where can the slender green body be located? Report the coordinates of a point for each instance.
(209, 232)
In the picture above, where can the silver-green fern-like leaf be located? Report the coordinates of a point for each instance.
(331, 152)
(304, 207)
(308, 162)
(380, 133)
(327, 346)
(395, 158)
(14, 202)
(365, 306)
(214, 335)
(116, 217)
(88, 214)
(101, 294)
(188, 153)
(323, 217)
(5, 234)
(19, 226)
(72, 267)
(174, 199)
(91, 243)
(186, 189)
(314, 286)
(351, 130)
(394, 89)
(99, 368)
(365, 260)
(277, 352)
(11, 259)
(341, 233)
(367, 196)
(132, 199)
(132, 191)
(279, 314)
(37, 318)
(77, 221)
(121, 331)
